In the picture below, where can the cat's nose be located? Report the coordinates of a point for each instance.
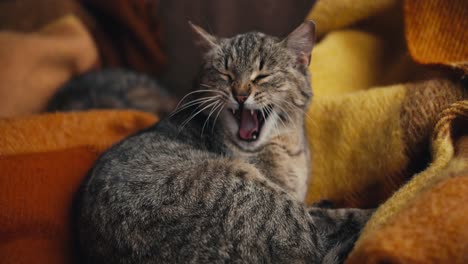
(241, 98)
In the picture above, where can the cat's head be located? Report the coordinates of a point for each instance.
(257, 85)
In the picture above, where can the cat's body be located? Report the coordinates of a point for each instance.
(113, 89)
(190, 190)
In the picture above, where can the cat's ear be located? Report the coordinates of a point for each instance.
(203, 39)
(301, 41)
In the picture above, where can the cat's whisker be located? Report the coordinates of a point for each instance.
(206, 85)
(291, 121)
(213, 109)
(204, 103)
(194, 102)
(190, 103)
(294, 107)
(262, 110)
(200, 100)
(192, 113)
(269, 110)
(194, 92)
(217, 115)
(219, 91)
(284, 111)
(298, 108)
(192, 116)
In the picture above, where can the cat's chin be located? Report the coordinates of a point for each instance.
(247, 145)
(250, 145)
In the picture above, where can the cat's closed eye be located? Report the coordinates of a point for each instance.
(260, 77)
(226, 77)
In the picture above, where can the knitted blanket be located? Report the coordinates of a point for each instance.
(43, 159)
(389, 124)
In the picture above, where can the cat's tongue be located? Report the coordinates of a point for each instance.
(248, 124)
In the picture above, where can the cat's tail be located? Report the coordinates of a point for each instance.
(342, 228)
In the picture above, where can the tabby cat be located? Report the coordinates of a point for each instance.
(113, 89)
(223, 179)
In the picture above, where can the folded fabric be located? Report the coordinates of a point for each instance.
(395, 146)
(43, 159)
(366, 144)
(425, 221)
(35, 64)
(330, 15)
(430, 230)
(442, 38)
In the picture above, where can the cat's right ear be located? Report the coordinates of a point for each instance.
(301, 41)
(203, 39)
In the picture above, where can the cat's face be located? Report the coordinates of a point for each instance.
(258, 86)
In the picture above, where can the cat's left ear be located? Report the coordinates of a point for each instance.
(203, 39)
(301, 41)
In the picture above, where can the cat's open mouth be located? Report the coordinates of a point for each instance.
(250, 122)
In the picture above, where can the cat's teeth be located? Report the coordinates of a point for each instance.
(254, 136)
(233, 111)
(252, 112)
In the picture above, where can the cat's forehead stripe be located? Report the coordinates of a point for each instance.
(247, 51)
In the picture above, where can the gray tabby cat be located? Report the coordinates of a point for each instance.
(222, 180)
(113, 89)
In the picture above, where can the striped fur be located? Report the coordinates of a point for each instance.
(113, 89)
(190, 190)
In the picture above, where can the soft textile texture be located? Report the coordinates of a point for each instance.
(43, 159)
(445, 25)
(440, 238)
(366, 144)
(425, 221)
(44, 43)
(35, 64)
(335, 14)
(394, 145)
(37, 190)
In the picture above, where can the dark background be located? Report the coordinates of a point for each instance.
(223, 18)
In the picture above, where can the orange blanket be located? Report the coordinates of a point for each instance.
(36, 64)
(43, 159)
(55, 40)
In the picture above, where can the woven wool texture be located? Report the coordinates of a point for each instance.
(424, 221)
(392, 145)
(437, 32)
(43, 159)
(371, 141)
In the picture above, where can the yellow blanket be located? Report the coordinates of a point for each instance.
(388, 125)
